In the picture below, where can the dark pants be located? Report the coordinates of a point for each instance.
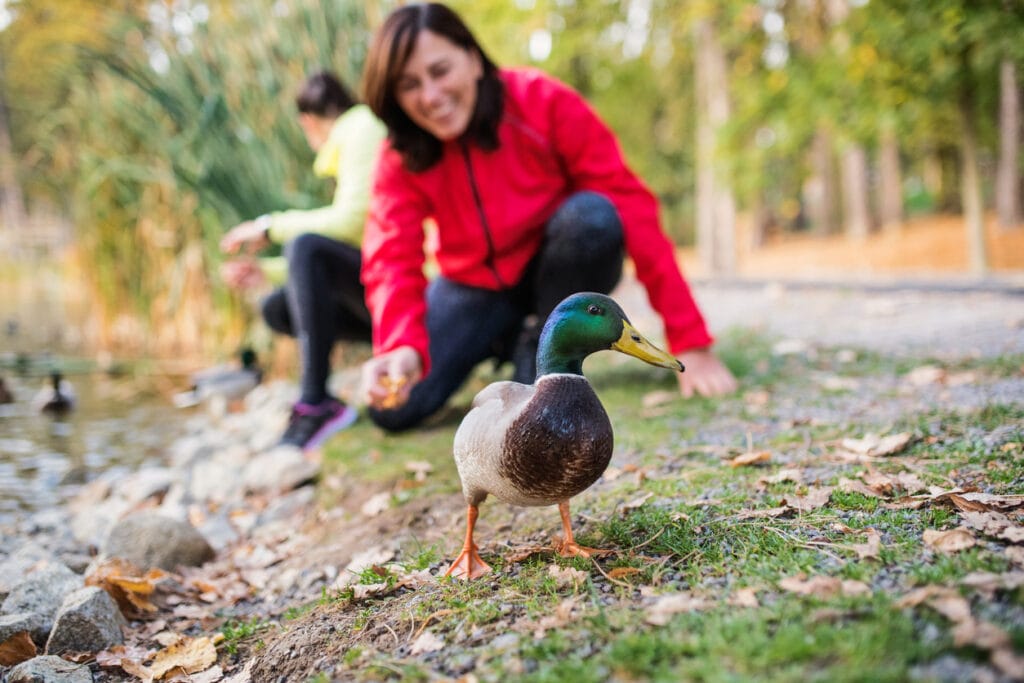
(582, 251)
(322, 302)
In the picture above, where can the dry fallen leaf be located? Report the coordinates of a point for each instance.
(871, 548)
(923, 375)
(361, 591)
(744, 597)
(983, 635)
(787, 474)
(921, 595)
(818, 586)
(1009, 663)
(520, 553)
(17, 649)
(612, 473)
(994, 524)
(636, 502)
(118, 654)
(126, 584)
(566, 576)
(750, 458)
(666, 606)
(857, 486)
(873, 445)
(965, 500)
(427, 642)
(564, 614)
(953, 606)
(765, 512)
(989, 582)
(951, 541)
(376, 504)
(814, 499)
(620, 572)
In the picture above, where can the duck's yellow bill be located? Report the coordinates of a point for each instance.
(634, 344)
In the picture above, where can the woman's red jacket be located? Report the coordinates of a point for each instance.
(490, 208)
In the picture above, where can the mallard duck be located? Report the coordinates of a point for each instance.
(228, 381)
(57, 397)
(543, 443)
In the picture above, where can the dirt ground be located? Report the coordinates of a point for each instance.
(896, 315)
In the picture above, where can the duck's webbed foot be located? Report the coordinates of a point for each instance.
(468, 564)
(567, 545)
(574, 549)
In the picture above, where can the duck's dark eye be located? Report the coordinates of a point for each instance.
(594, 309)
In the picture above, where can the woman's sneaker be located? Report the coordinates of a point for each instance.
(309, 426)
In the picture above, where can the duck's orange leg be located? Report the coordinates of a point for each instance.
(468, 564)
(569, 547)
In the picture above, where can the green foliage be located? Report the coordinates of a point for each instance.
(236, 631)
(158, 125)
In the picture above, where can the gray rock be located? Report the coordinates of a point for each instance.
(218, 478)
(151, 540)
(88, 621)
(288, 505)
(146, 483)
(219, 532)
(42, 594)
(280, 469)
(90, 525)
(11, 624)
(49, 669)
(16, 567)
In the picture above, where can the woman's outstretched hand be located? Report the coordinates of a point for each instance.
(705, 375)
(387, 379)
(249, 234)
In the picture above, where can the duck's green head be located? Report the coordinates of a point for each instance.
(587, 322)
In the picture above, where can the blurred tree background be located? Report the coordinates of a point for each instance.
(155, 126)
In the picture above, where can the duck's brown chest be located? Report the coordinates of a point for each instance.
(561, 442)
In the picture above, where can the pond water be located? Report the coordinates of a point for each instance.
(44, 459)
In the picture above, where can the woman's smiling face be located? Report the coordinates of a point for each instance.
(438, 86)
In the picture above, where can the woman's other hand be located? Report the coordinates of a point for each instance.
(387, 379)
(705, 375)
(242, 274)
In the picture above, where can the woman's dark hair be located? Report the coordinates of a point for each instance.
(323, 94)
(389, 52)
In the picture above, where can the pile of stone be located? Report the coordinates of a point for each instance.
(145, 517)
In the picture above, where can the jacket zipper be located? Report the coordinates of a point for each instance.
(490, 260)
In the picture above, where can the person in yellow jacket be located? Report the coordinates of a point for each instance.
(321, 300)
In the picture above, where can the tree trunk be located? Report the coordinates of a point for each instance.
(1008, 175)
(856, 215)
(716, 208)
(12, 201)
(819, 189)
(890, 180)
(974, 219)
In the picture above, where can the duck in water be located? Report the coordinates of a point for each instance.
(57, 397)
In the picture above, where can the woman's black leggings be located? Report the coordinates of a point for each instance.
(582, 251)
(321, 303)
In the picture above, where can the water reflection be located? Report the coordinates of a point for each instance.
(45, 458)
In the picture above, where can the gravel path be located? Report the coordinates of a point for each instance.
(907, 319)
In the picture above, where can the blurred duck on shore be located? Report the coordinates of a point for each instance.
(227, 382)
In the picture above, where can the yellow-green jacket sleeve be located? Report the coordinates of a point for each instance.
(349, 155)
